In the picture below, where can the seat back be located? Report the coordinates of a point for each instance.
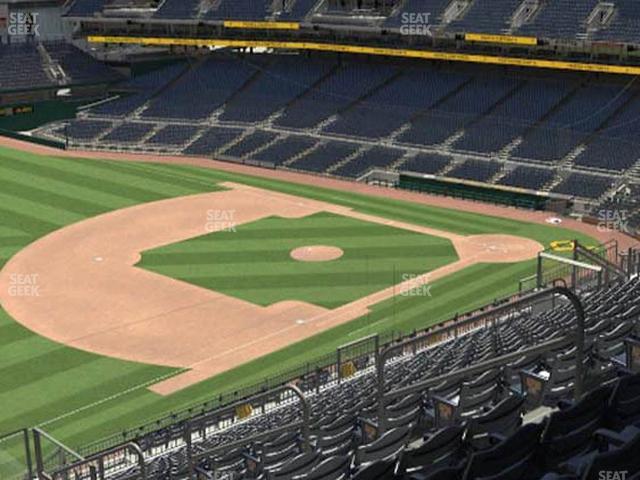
(388, 444)
(503, 419)
(568, 432)
(624, 459)
(379, 470)
(624, 405)
(438, 448)
(509, 459)
(295, 466)
(332, 468)
(472, 402)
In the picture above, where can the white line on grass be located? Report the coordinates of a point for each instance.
(111, 397)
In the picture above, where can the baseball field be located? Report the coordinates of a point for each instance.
(130, 289)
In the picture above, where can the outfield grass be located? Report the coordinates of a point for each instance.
(253, 262)
(79, 396)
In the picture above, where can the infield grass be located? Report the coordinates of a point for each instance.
(253, 262)
(79, 396)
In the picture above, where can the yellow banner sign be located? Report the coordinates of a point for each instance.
(262, 25)
(244, 411)
(391, 52)
(10, 111)
(507, 39)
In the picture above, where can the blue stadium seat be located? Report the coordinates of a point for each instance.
(346, 86)
(381, 157)
(532, 178)
(486, 16)
(239, 10)
(570, 124)
(21, 68)
(511, 118)
(477, 170)
(285, 149)
(476, 99)
(215, 81)
(430, 163)
(213, 140)
(559, 19)
(396, 103)
(584, 185)
(278, 84)
(327, 154)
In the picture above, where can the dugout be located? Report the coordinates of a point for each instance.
(481, 192)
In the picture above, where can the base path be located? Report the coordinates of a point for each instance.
(91, 296)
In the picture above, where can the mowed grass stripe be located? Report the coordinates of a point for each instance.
(66, 390)
(7, 231)
(99, 421)
(131, 192)
(40, 211)
(12, 332)
(483, 284)
(293, 281)
(77, 205)
(13, 241)
(35, 226)
(96, 170)
(38, 367)
(28, 348)
(80, 193)
(137, 170)
(455, 221)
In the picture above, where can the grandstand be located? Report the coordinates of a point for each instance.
(482, 121)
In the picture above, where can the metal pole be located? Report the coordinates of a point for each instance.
(574, 272)
(539, 271)
(38, 451)
(187, 439)
(27, 449)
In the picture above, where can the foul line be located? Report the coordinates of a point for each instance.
(112, 397)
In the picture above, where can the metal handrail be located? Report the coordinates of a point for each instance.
(578, 335)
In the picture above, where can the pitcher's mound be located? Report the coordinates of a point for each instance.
(316, 253)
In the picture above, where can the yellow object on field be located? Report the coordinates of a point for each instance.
(562, 246)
